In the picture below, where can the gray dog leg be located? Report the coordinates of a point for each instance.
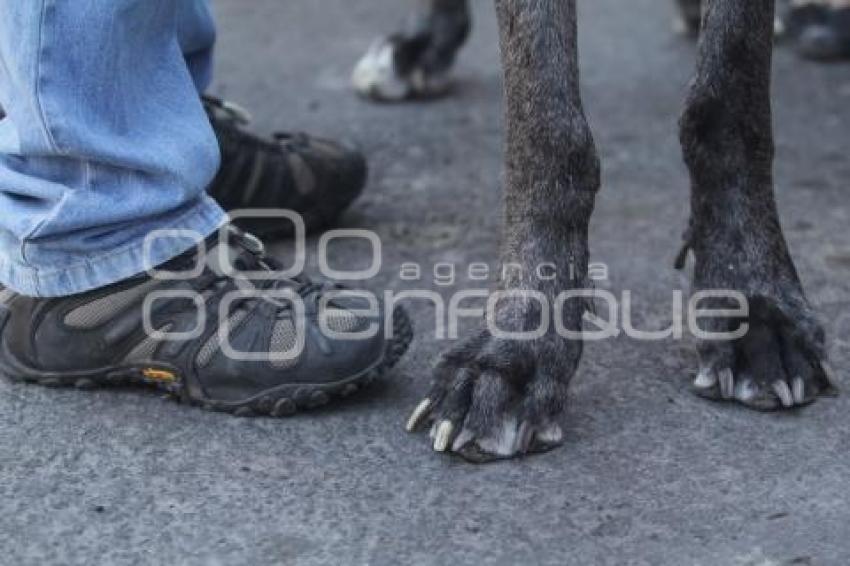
(690, 16)
(499, 396)
(415, 63)
(735, 234)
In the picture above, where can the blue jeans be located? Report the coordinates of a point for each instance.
(105, 138)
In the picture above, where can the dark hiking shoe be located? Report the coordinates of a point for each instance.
(828, 40)
(314, 177)
(99, 338)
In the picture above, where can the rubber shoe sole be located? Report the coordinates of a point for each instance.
(282, 401)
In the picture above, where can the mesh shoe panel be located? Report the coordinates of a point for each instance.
(100, 311)
(343, 321)
(284, 339)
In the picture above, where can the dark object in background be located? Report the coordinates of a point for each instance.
(802, 17)
(824, 34)
(314, 177)
(691, 14)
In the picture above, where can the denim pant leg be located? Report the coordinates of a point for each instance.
(196, 35)
(105, 139)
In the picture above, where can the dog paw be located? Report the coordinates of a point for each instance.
(778, 364)
(494, 399)
(379, 76)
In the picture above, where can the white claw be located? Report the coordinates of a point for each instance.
(779, 27)
(745, 390)
(420, 411)
(523, 437)
(444, 436)
(799, 390)
(727, 384)
(784, 393)
(829, 373)
(706, 379)
(552, 434)
(464, 438)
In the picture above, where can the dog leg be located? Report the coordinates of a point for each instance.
(689, 18)
(736, 237)
(415, 63)
(497, 395)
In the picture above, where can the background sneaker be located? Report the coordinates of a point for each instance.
(826, 40)
(317, 178)
(801, 16)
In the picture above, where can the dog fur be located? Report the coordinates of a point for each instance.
(495, 398)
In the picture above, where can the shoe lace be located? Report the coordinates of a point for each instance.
(292, 142)
(252, 257)
(230, 119)
(230, 111)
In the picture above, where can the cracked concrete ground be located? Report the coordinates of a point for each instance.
(649, 475)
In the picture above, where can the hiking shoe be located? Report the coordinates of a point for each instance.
(314, 177)
(99, 338)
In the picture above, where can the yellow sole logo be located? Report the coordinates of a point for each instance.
(159, 374)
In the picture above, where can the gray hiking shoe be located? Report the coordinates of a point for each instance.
(261, 345)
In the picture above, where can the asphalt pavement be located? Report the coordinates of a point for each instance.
(649, 474)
